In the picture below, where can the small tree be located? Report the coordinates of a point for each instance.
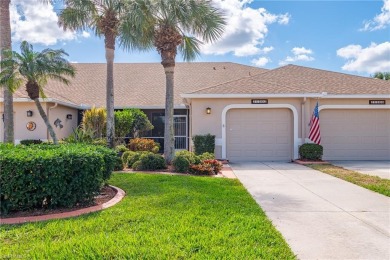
(123, 122)
(382, 75)
(131, 122)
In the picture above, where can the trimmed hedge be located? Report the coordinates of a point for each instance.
(311, 151)
(30, 141)
(149, 162)
(204, 144)
(50, 176)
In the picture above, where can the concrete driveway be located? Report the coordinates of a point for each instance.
(375, 168)
(320, 216)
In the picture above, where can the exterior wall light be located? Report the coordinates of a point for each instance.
(29, 113)
(69, 116)
(208, 111)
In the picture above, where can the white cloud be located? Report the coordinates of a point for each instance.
(266, 50)
(261, 62)
(300, 54)
(245, 30)
(374, 58)
(86, 34)
(380, 21)
(36, 22)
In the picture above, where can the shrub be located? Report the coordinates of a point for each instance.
(181, 164)
(206, 156)
(311, 151)
(131, 121)
(80, 135)
(118, 164)
(130, 157)
(52, 176)
(215, 164)
(201, 169)
(100, 141)
(121, 148)
(94, 121)
(204, 144)
(149, 162)
(183, 159)
(30, 141)
(142, 144)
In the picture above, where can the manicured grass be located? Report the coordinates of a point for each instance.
(161, 217)
(373, 183)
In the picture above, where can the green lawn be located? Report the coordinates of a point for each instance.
(373, 183)
(161, 217)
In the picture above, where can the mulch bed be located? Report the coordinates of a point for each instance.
(106, 194)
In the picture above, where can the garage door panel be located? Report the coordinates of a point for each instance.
(259, 135)
(355, 134)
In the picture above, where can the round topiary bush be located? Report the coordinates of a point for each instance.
(50, 176)
(150, 162)
(311, 152)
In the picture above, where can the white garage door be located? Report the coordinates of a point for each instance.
(355, 134)
(259, 135)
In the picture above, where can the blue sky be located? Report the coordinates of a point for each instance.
(346, 36)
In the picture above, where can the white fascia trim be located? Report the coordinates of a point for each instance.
(46, 100)
(84, 106)
(296, 140)
(264, 95)
(353, 107)
(152, 107)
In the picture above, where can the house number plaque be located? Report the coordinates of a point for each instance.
(259, 101)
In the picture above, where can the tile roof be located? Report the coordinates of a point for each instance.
(141, 84)
(292, 79)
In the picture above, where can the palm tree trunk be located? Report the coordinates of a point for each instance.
(46, 120)
(5, 43)
(169, 134)
(110, 97)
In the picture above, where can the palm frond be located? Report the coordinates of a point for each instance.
(190, 48)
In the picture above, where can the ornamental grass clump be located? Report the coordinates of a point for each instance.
(51, 176)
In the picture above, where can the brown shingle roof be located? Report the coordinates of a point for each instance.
(292, 79)
(142, 84)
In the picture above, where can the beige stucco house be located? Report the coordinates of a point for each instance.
(255, 114)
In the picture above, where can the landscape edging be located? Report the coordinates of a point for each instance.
(19, 220)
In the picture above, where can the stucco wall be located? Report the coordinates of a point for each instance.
(202, 123)
(21, 120)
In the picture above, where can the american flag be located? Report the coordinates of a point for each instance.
(315, 134)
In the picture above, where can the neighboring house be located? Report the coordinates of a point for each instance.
(256, 114)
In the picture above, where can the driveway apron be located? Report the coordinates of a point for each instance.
(320, 216)
(374, 168)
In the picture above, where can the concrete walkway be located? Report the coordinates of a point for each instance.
(375, 168)
(320, 216)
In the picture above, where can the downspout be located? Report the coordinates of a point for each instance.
(303, 121)
(48, 117)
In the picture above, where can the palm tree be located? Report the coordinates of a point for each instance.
(34, 69)
(105, 18)
(169, 26)
(382, 75)
(5, 43)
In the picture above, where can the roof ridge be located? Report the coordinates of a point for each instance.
(327, 71)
